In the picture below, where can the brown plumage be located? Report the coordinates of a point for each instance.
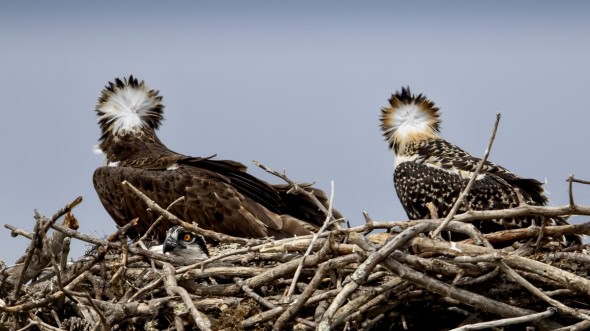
(219, 195)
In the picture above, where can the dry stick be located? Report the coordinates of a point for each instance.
(472, 215)
(152, 285)
(201, 320)
(371, 299)
(507, 321)
(583, 325)
(570, 179)
(294, 186)
(566, 279)
(269, 314)
(14, 232)
(100, 242)
(42, 325)
(27, 261)
(177, 221)
(103, 320)
(159, 219)
(365, 269)
(467, 188)
(35, 242)
(533, 289)
(250, 292)
(287, 299)
(580, 181)
(466, 297)
(532, 232)
(321, 271)
(53, 260)
(69, 282)
(478, 301)
(63, 264)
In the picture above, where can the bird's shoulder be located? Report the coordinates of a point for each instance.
(442, 154)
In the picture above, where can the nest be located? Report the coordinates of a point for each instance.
(340, 278)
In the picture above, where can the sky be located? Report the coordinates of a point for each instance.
(297, 86)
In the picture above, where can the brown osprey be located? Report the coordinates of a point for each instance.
(219, 195)
(428, 169)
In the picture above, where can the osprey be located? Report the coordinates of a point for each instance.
(218, 195)
(181, 243)
(428, 170)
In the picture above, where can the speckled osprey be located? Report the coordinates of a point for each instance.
(428, 169)
(219, 195)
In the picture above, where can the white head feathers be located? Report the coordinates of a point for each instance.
(408, 118)
(128, 106)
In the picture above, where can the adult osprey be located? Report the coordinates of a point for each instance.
(428, 169)
(219, 195)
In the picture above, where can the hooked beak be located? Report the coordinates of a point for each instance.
(169, 245)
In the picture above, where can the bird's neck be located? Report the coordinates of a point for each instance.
(137, 150)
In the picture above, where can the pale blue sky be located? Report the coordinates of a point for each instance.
(294, 85)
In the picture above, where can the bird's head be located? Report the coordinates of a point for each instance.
(182, 243)
(409, 118)
(128, 106)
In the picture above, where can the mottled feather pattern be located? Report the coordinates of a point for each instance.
(417, 185)
(440, 153)
(431, 171)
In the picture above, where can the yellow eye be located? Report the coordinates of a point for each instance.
(187, 237)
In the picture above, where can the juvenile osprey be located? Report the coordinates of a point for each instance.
(219, 195)
(428, 169)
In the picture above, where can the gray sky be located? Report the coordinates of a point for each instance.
(294, 85)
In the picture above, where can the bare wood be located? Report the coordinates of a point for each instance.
(507, 321)
(310, 247)
(201, 321)
(299, 303)
(363, 271)
(533, 289)
(563, 277)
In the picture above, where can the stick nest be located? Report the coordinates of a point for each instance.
(350, 279)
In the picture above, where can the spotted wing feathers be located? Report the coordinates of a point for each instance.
(442, 170)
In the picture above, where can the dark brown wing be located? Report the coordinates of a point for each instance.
(210, 201)
(235, 174)
(273, 197)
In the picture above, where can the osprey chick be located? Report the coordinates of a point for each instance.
(181, 243)
(428, 169)
(219, 195)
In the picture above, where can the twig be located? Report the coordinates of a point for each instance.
(363, 271)
(567, 279)
(533, 289)
(201, 321)
(309, 248)
(296, 306)
(508, 321)
(581, 181)
(571, 190)
(295, 187)
(467, 188)
(159, 219)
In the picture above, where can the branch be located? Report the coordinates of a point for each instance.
(467, 188)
